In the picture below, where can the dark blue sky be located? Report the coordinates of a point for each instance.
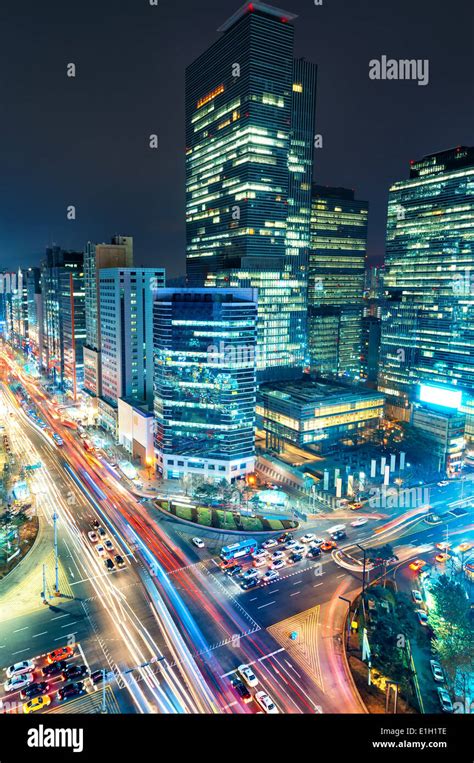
(84, 141)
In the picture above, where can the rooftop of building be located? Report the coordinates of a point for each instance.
(442, 161)
(262, 9)
(315, 392)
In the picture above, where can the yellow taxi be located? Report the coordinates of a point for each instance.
(464, 547)
(442, 558)
(38, 703)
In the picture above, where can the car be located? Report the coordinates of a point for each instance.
(234, 571)
(97, 677)
(278, 564)
(316, 542)
(270, 543)
(339, 535)
(277, 555)
(198, 542)
(259, 562)
(464, 547)
(15, 683)
(101, 550)
(285, 537)
(294, 558)
(119, 560)
(443, 546)
(289, 546)
(63, 653)
(93, 537)
(38, 703)
(242, 691)
(54, 668)
(307, 538)
(270, 575)
(250, 573)
(96, 524)
(109, 545)
(437, 670)
(19, 668)
(102, 532)
(247, 675)
(314, 551)
(445, 700)
(109, 565)
(359, 522)
(443, 483)
(262, 554)
(432, 519)
(299, 549)
(75, 671)
(34, 690)
(417, 565)
(249, 583)
(355, 506)
(416, 596)
(266, 702)
(422, 617)
(328, 545)
(442, 558)
(71, 690)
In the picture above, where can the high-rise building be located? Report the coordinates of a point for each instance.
(8, 290)
(126, 328)
(428, 311)
(73, 327)
(35, 313)
(336, 282)
(249, 141)
(117, 254)
(58, 303)
(205, 382)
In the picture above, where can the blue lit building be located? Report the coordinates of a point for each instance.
(249, 155)
(204, 382)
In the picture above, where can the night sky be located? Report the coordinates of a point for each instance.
(84, 141)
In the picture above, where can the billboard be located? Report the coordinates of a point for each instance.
(442, 396)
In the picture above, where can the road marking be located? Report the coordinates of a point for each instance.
(342, 575)
(67, 625)
(266, 605)
(295, 593)
(275, 590)
(20, 651)
(71, 572)
(21, 629)
(39, 634)
(58, 617)
(316, 585)
(254, 598)
(298, 582)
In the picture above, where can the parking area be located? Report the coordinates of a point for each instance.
(51, 681)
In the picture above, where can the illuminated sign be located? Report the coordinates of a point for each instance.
(442, 396)
(210, 96)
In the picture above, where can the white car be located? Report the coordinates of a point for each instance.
(101, 550)
(109, 545)
(250, 573)
(299, 549)
(443, 483)
(416, 596)
(259, 561)
(198, 542)
(359, 522)
(248, 675)
(266, 702)
(422, 617)
(93, 537)
(20, 668)
(445, 700)
(270, 575)
(289, 546)
(270, 543)
(308, 538)
(437, 670)
(278, 564)
(317, 542)
(277, 555)
(260, 555)
(15, 683)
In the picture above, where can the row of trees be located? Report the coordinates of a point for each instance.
(223, 491)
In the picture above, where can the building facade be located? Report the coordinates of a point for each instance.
(317, 415)
(336, 282)
(249, 142)
(117, 254)
(428, 310)
(126, 326)
(205, 381)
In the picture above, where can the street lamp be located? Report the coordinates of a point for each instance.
(348, 602)
(364, 565)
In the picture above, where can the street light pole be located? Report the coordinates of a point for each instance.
(348, 602)
(364, 562)
(56, 562)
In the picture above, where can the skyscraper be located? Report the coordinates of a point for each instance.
(249, 140)
(73, 327)
(35, 313)
(126, 325)
(428, 314)
(336, 281)
(117, 254)
(205, 383)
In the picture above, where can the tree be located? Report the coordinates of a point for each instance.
(449, 619)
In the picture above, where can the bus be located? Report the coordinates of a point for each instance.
(236, 550)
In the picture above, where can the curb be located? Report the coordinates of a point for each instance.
(222, 530)
(23, 558)
(348, 669)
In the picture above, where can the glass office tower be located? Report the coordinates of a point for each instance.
(204, 382)
(428, 313)
(336, 282)
(249, 141)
